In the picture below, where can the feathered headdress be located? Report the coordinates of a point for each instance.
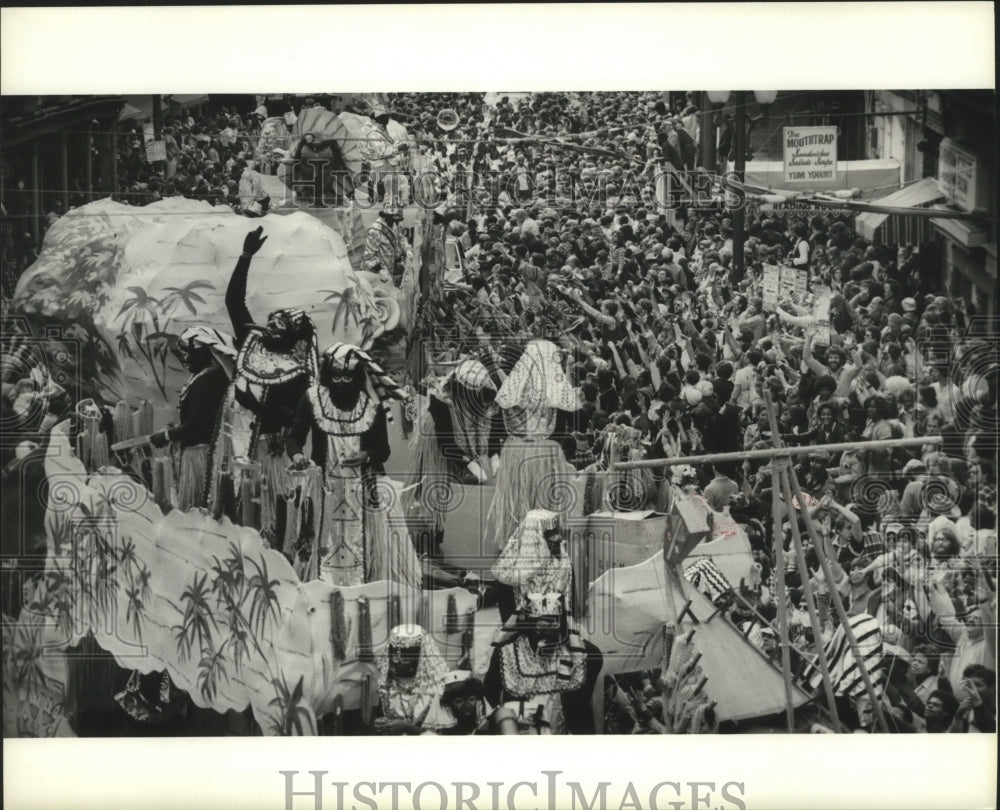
(378, 384)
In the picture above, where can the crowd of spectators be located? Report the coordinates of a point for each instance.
(553, 230)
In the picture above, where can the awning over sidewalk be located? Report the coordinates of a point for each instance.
(866, 175)
(897, 228)
(185, 101)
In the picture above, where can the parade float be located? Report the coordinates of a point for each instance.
(204, 601)
(98, 317)
(129, 280)
(327, 154)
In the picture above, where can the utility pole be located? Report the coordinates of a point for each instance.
(739, 215)
(707, 133)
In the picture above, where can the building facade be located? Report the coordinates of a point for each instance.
(54, 151)
(949, 136)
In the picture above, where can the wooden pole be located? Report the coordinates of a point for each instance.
(781, 481)
(749, 455)
(779, 594)
(740, 163)
(838, 604)
(779, 487)
(707, 134)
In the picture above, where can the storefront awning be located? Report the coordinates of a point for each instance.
(969, 234)
(865, 175)
(900, 228)
(185, 101)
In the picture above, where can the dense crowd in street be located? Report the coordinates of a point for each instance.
(675, 353)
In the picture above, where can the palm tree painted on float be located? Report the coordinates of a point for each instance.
(143, 311)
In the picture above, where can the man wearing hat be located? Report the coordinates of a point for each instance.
(344, 416)
(534, 560)
(542, 674)
(842, 373)
(454, 437)
(909, 307)
(209, 356)
(462, 709)
(386, 249)
(274, 367)
(412, 675)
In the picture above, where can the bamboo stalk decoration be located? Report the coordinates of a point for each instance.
(689, 667)
(366, 653)
(366, 699)
(100, 451)
(121, 418)
(88, 434)
(451, 616)
(169, 480)
(338, 626)
(395, 611)
(266, 513)
(468, 637)
(160, 493)
(246, 501)
(293, 512)
(145, 418)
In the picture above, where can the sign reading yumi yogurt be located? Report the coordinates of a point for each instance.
(810, 154)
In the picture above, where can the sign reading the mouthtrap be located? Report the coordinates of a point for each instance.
(810, 154)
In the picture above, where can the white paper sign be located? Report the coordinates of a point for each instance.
(810, 154)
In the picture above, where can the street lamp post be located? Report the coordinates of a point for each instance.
(739, 215)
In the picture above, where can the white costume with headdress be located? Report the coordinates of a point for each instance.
(455, 416)
(527, 564)
(533, 685)
(354, 540)
(534, 472)
(414, 700)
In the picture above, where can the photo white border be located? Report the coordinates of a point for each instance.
(789, 46)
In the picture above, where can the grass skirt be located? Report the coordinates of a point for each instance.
(191, 478)
(433, 477)
(533, 475)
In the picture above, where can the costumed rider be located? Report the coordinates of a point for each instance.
(453, 439)
(462, 704)
(542, 674)
(412, 675)
(534, 472)
(535, 560)
(386, 249)
(346, 414)
(209, 355)
(275, 366)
